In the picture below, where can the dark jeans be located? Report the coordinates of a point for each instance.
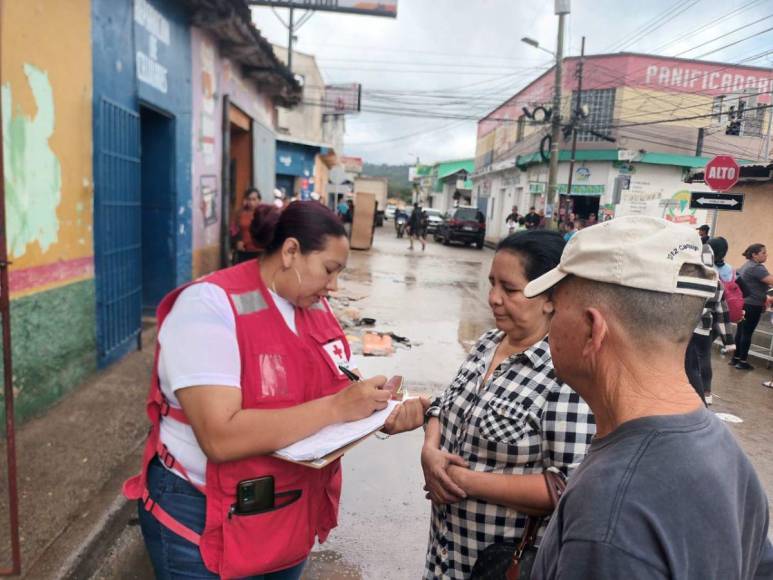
(743, 335)
(697, 364)
(174, 557)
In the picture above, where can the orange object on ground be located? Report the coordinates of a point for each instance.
(375, 344)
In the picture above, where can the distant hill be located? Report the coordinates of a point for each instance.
(399, 186)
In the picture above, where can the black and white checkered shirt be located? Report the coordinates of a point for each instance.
(715, 318)
(521, 421)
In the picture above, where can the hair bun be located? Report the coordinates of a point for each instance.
(263, 226)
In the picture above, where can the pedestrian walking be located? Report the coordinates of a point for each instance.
(503, 421)
(417, 226)
(245, 246)
(703, 232)
(714, 322)
(511, 221)
(665, 491)
(755, 279)
(247, 363)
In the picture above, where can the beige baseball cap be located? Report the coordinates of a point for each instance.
(635, 251)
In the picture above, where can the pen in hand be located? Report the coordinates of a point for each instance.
(349, 374)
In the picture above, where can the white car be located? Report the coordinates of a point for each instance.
(389, 212)
(434, 219)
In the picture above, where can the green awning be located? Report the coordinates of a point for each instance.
(652, 158)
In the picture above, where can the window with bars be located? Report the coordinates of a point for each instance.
(601, 111)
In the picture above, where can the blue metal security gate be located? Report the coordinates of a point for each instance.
(117, 231)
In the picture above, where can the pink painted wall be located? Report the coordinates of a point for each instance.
(214, 76)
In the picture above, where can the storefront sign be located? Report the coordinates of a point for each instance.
(536, 187)
(149, 70)
(582, 174)
(381, 8)
(581, 189)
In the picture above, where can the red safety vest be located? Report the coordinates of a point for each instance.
(279, 369)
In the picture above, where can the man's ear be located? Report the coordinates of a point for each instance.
(598, 333)
(548, 307)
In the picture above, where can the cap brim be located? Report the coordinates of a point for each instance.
(544, 283)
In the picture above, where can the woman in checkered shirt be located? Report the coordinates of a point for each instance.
(504, 419)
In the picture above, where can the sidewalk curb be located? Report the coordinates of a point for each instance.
(77, 552)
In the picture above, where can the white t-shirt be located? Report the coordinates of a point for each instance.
(199, 347)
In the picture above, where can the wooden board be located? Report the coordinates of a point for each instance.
(364, 218)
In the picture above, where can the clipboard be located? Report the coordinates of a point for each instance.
(395, 384)
(323, 462)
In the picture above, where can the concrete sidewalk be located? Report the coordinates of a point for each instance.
(72, 462)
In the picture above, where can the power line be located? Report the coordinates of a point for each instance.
(712, 22)
(724, 35)
(734, 43)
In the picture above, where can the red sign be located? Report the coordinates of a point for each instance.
(721, 173)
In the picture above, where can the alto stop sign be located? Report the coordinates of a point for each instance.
(721, 173)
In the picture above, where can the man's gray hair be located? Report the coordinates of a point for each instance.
(647, 315)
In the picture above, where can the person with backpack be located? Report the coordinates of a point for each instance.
(755, 280)
(727, 276)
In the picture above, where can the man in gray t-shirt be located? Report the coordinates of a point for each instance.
(665, 491)
(669, 496)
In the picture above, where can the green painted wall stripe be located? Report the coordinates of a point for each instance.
(54, 345)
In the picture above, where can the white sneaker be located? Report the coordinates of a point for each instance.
(709, 399)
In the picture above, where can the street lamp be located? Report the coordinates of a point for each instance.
(535, 44)
(561, 9)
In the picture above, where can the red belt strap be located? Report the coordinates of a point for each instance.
(168, 521)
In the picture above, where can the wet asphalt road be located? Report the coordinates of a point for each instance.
(437, 298)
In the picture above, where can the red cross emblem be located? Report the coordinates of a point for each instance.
(337, 351)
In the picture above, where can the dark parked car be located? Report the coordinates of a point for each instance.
(465, 224)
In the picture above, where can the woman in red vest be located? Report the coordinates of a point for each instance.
(247, 362)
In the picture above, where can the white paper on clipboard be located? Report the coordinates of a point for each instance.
(334, 437)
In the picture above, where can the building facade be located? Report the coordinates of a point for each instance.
(309, 141)
(628, 160)
(117, 125)
(48, 194)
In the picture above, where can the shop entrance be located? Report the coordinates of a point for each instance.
(585, 205)
(157, 178)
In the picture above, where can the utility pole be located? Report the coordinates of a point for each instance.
(577, 116)
(290, 41)
(561, 9)
(699, 144)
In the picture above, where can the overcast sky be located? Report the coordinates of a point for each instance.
(458, 59)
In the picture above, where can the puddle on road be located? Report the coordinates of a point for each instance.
(330, 565)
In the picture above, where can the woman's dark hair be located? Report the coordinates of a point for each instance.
(308, 222)
(252, 190)
(540, 250)
(719, 247)
(753, 249)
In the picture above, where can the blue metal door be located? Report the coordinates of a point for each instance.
(117, 231)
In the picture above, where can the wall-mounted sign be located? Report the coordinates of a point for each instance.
(536, 187)
(382, 8)
(582, 174)
(581, 189)
(208, 189)
(149, 68)
(342, 99)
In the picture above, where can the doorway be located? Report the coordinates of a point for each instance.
(585, 205)
(240, 158)
(157, 178)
